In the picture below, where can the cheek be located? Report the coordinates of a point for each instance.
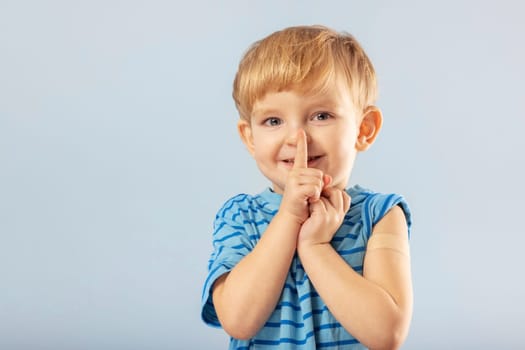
(342, 144)
(348, 141)
(262, 149)
(344, 153)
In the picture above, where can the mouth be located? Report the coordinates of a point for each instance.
(311, 160)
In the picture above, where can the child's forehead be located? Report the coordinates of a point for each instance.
(323, 89)
(328, 96)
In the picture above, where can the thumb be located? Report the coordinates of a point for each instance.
(327, 180)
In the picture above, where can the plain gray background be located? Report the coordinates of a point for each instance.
(118, 145)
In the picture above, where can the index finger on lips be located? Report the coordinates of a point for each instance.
(301, 151)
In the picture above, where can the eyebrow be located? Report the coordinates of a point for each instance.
(265, 111)
(314, 101)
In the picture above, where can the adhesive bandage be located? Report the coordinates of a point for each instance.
(389, 241)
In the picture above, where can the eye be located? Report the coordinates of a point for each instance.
(321, 116)
(273, 121)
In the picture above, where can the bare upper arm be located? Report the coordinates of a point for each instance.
(388, 263)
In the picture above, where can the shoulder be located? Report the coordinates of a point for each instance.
(393, 222)
(243, 206)
(234, 203)
(372, 206)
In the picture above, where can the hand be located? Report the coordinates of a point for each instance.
(326, 216)
(303, 185)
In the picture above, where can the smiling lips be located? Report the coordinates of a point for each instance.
(310, 160)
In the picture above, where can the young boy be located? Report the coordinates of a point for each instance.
(307, 264)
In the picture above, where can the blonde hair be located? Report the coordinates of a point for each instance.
(306, 58)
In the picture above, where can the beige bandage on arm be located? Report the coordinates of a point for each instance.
(389, 241)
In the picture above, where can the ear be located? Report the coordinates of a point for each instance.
(245, 132)
(371, 123)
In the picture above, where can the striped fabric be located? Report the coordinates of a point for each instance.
(301, 319)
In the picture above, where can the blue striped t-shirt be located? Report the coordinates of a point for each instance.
(301, 319)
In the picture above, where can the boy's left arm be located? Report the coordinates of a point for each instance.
(376, 308)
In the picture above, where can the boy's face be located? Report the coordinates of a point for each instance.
(335, 132)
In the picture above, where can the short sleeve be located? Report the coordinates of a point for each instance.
(377, 205)
(230, 244)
